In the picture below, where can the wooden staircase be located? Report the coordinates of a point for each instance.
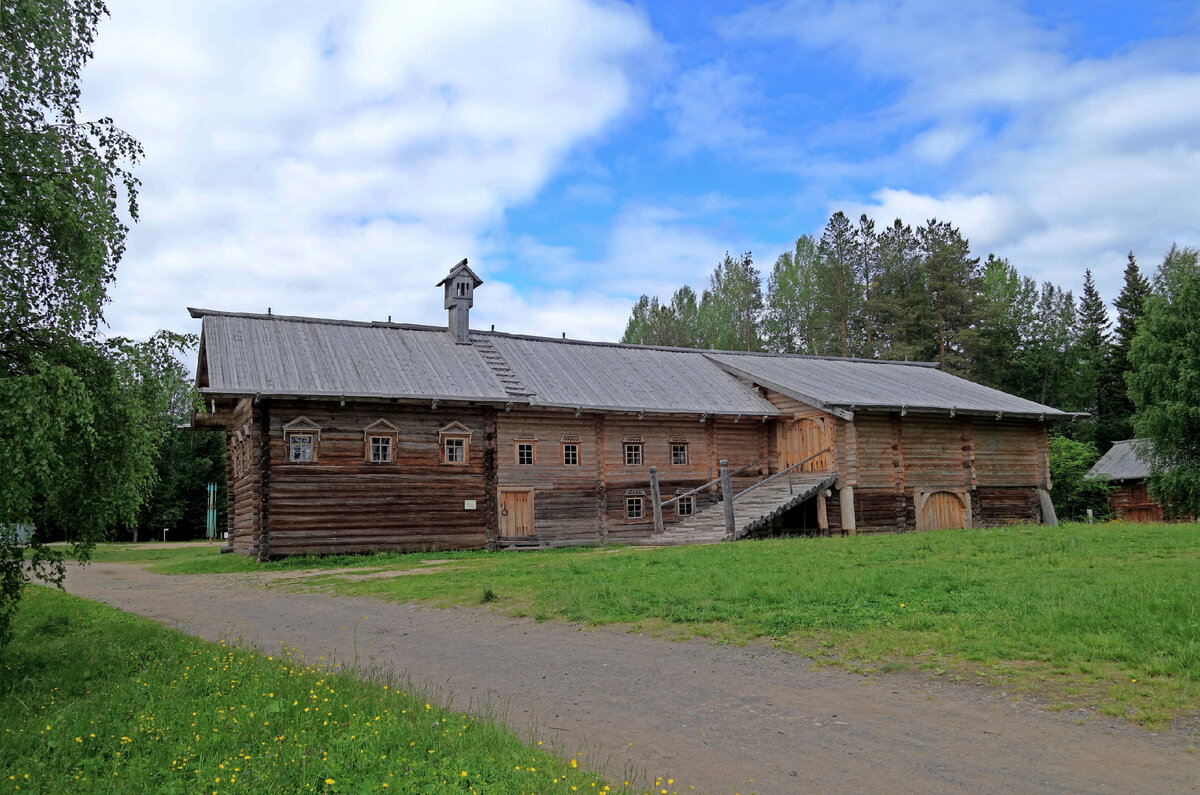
(752, 509)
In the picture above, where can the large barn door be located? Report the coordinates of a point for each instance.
(803, 438)
(943, 510)
(516, 513)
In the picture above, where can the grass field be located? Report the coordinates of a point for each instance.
(96, 700)
(1099, 615)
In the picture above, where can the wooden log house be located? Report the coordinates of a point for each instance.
(358, 436)
(1127, 471)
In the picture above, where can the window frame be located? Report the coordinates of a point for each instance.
(380, 429)
(295, 445)
(532, 445)
(455, 431)
(297, 429)
(380, 443)
(634, 447)
(674, 447)
(635, 500)
(690, 502)
(573, 448)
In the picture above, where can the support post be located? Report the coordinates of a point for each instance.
(656, 500)
(727, 496)
(846, 495)
(1048, 515)
(822, 513)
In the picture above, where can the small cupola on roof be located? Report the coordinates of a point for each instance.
(460, 286)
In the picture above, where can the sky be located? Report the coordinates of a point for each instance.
(337, 159)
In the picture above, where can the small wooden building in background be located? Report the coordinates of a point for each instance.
(1127, 472)
(357, 436)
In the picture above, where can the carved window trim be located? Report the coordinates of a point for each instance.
(301, 441)
(454, 444)
(379, 442)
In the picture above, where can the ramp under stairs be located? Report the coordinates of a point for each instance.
(752, 509)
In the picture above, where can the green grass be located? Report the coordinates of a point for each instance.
(1099, 615)
(103, 701)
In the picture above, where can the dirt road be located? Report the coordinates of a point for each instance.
(713, 717)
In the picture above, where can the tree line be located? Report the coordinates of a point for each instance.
(918, 294)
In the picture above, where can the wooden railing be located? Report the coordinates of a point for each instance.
(725, 478)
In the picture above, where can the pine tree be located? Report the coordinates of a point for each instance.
(1164, 382)
(1009, 301)
(900, 308)
(952, 283)
(867, 273)
(1093, 357)
(839, 298)
(1130, 306)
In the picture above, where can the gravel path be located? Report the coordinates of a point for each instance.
(709, 716)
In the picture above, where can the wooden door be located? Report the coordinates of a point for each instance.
(516, 513)
(803, 438)
(943, 510)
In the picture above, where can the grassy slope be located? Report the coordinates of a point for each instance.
(99, 700)
(1084, 614)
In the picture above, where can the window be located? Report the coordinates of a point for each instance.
(524, 453)
(455, 441)
(679, 455)
(300, 448)
(301, 438)
(686, 506)
(633, 507)
(570, 455)
(633, 454)
(381, 449)
(460, 289)
(379, 442)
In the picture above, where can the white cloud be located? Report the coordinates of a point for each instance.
(335, 159)
(1057, 162)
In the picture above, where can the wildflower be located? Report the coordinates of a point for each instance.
(329, 781)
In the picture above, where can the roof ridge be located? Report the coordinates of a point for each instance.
(200, 313)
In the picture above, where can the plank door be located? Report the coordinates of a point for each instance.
(516, 513)
(943, 511)
(802, 438)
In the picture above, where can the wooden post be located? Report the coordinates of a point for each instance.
(264, 483)
(656, 500)
(846, 495)
(822, 513)
(727, 495)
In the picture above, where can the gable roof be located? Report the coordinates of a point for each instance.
(277, 355)
(252, 354)
(843, 386)
(1121, 462)
(460, 268)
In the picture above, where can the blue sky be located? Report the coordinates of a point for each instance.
(336, 161)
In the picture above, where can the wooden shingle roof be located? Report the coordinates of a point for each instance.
(252, 354)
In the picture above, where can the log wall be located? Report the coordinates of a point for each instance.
(1002, 464)
(1133, 503)
(341, 502)
(586, 502)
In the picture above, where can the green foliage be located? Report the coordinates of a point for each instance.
(60, 232)
(102, 701)
(790, 325)
(79, 435)
(839, 302)
(731, 309)
(1117, 422)
(1073, 493)
(80, 418)
(1164, 382)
